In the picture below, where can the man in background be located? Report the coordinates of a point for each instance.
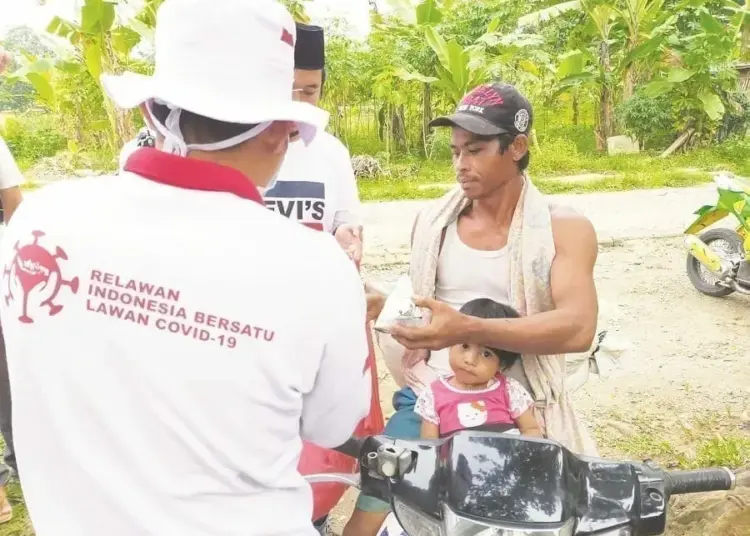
(316, 184)
(316, 187)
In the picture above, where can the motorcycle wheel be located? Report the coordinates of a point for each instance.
(701, 278)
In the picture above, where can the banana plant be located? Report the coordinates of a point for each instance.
(701, 73)
(593, 69)
(646, 25)
(297, 10)
(740, 24)
(458, 68)
(100, 45)
(38, 73)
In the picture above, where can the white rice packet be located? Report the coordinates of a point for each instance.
(399, 308)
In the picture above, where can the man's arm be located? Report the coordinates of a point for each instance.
(347, 209)
(10, 182)
(340, 398)
(570, 327)
(347, 223)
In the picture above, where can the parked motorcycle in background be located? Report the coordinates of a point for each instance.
(718, 261)
(492, 484)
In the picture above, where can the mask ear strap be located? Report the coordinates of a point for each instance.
(233, 141)
(174, 142)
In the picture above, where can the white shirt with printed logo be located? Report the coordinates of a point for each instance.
(169, 349)
(316, 185)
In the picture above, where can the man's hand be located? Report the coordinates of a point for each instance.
(375, 302)
(10, 198)
(447, 327)
(5, 60)
(349, 238)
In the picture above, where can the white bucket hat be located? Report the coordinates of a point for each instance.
(229, 60)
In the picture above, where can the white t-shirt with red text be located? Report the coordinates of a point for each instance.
(316, 185)
(170, 344)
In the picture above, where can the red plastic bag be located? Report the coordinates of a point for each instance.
(319, 460)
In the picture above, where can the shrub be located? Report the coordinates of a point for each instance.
(555, 157)
(648, 119)
(582, 136)
(32, 136)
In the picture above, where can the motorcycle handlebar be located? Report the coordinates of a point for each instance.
(352, 447)
(699, 481)
(676, 482)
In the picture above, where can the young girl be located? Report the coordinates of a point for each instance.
(477, 394)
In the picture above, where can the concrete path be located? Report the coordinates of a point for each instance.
(616, 216)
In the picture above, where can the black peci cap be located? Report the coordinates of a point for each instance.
(310, 49)
(489, 110)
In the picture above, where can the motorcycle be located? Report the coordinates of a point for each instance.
(718, 261)
(478, 483)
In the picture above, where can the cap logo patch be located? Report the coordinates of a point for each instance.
(287, 37)
(521, 120)
(483, 96)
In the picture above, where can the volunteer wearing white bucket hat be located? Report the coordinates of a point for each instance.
(166, 346)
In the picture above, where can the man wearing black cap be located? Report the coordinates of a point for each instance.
(495, 236)
(316, 184)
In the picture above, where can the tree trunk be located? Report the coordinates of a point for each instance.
(605, 127)
(576, 110)
(426, 116)
(629, 84)
(121, 120)
(382, 122)
(398, 129)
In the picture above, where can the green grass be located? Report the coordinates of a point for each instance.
(711, 440)
(414, 179)
(20, 524)
(419, 186)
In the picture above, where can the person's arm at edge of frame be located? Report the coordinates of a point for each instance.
(10, 182)
(10, 176)
(347, 223)
(571, 326)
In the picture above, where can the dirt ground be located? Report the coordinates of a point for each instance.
(685, 378)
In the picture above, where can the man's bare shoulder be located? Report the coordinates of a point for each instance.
(571, 229)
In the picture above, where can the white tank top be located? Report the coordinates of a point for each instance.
(465, 274)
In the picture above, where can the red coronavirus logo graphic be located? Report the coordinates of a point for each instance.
(35, 268)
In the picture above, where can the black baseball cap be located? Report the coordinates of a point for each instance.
(489, 110)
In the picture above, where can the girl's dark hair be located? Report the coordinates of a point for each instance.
(489, 309)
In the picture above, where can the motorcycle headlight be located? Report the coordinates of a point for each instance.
(455, 525)
(414, 522)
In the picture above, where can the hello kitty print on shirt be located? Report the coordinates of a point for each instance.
(472, 414)
(453, 409)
